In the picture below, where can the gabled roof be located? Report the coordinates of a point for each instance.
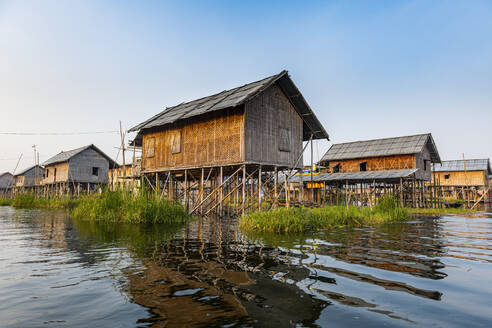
(5, 173)
(67, 155)
(382, 175)
(27, 170)
(383, 147)
(238, 96)
(459, 165)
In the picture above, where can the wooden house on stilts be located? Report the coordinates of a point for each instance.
(226, 150)
(77, 170)
(361, 171)
(28, 179)
(467, 179)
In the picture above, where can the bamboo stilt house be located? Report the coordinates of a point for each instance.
(263, 122)
(463, 173)
(390, 158)
(29, 177)
(82, 167)
(228, 148)
(6, 182)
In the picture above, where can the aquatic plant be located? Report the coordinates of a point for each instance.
(5, 201)
(120, 206)
(301, 219)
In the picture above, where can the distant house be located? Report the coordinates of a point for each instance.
(6, 182)
(463, 173)
(29, 177)
(85, 165)
(400, 157)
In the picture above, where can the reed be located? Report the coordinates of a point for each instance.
(301, 219)
(120, 206)
(5, 201)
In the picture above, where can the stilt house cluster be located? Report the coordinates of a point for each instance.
(242, 149)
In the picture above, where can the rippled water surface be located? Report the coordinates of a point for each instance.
(59, 272)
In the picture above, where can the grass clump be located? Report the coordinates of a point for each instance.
(301, 219)
(5, 201)
(30, 201)
(118, 206)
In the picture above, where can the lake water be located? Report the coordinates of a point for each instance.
(59, 272)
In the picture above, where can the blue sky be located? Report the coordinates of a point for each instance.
(368, 69)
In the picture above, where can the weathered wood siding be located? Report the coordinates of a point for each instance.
(273, 129)
(462, 178)
(81, 165)
(376, 163)
(213, 140)
(6, 181)
(30, 178)
(425, 172)
(61, 173)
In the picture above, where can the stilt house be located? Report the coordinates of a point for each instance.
(391, 158)
(29, 177)
(259, 126)
(6, 182)
(460, 173)
(264, 122)
(85, 166)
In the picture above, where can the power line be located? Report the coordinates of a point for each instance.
(54, 133)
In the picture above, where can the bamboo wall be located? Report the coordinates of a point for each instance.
(61, 173)
(462, 178)
(213, 140)
(376, 163)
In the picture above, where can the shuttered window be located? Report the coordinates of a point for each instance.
(150, 147)
(284, 139)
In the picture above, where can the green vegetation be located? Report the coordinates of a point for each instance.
(118, 206)
(110, 206)
(441, 211)
(5, 201)
(283, 220)
(29, 201)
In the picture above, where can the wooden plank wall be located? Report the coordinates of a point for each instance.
(80, 167)
(269, 117)
(419, 162)
(216, 139)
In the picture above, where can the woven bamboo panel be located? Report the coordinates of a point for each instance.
(212, 140)
(376, 163)
(461, 178)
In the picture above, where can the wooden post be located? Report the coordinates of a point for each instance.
(186, 189)
(202, 190)
(244, 190)
(346, 194)
(221, 190)
(401, 192)
(275, 190)
(259, 188)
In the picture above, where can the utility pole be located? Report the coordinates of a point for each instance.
(122, 136)
(35, 169)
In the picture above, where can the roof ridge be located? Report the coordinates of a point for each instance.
(200, 100)
(386, 138)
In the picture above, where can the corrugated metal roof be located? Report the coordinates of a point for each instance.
(383, 147)
(238, 96)
(66, 155)
(27, 170)
(359, 176)
(459, 165)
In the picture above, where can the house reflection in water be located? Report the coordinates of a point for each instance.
(195, 281)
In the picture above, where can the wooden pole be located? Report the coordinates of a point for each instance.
(260, 187)
(244, 190)
(275, 191)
